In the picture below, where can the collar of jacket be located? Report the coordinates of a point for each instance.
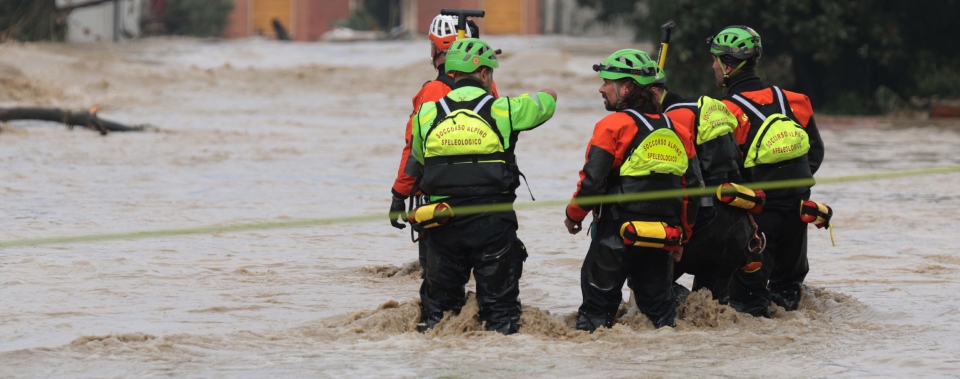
(746, 81)
(671, 99)
(467, 82)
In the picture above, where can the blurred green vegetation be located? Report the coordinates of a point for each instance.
(31, 20)
(200, 18)
(840, 53)
(40, 20)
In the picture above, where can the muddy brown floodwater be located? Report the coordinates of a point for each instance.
(261, 131)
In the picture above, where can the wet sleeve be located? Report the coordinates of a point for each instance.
(800, 106)
(403, 184)
(409, 169)
(407, 172)
(422, 119)
(600, 158)
(815, 155)
(526, 111)
(684, 119)
(693, 178)
(743, 122)
(803, 111)
(432, 91)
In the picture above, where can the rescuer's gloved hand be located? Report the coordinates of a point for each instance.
(398, 211)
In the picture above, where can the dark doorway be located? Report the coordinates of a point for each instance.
(385, 12)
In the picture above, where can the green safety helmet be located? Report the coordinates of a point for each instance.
(468, 54)
(737, 41)
(633, 64)
(661, 76)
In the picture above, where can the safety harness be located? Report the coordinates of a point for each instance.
(776, 147)
(655, 161)
(715, 143)
(464, 151)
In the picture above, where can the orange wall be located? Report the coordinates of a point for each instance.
(428, 9)
(315, 17)
(312, 18)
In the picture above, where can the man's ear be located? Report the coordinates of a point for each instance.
(727, 69)
(625, 87)
(657, 91)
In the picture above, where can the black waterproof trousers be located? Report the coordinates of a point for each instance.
(486, 244)
(784, 261)
(717, 248)
(609, 263)
(422, 255)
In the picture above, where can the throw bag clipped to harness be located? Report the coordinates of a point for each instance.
(816, 213)
(819, 214)
(653, 234)
(741, 197)
(430, 216)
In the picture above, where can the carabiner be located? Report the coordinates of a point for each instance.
(758, 241)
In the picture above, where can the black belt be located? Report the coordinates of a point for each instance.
(468, 158)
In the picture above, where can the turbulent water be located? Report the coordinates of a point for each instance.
(256, 131)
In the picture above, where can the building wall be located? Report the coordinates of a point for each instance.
(239, 25)
(318, 16)
(96, 23)
(534, 16)
(569, 18)
(408, 14)
(530, 14)
(263, 13)
(312, 18)
(308, 21)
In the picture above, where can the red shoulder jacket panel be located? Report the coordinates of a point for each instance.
(799, 103)
(612, 137)
(802, 110)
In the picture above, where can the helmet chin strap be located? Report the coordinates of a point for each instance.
(726, 76)
(616, 91)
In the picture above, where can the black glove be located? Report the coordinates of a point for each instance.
(398, 210)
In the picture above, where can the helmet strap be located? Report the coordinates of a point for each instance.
(616, 91)
(726, 76)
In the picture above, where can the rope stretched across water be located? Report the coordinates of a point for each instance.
(464, 210)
